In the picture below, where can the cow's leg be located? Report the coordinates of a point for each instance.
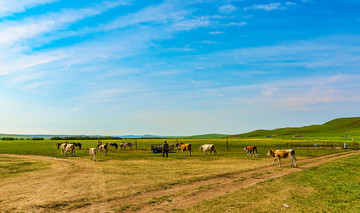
(295, 162)
(190, 152)
(274, 161)
(279, 162)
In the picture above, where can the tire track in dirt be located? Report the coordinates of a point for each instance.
(32, 189)
(57, 184)
(186, 196)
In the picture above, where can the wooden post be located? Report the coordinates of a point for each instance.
(227, 145)
(136, 142)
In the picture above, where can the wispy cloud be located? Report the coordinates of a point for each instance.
(228, 8)
(18, 31)
(8, 8)
(267, 7)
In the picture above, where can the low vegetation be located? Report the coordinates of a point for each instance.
(333, 187)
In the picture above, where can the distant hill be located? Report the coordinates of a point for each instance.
(206, 136)
(336, 127)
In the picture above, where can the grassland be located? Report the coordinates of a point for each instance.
(337, 129)
(333, 187)
(135, 173)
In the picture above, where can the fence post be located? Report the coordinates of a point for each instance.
(136, 143)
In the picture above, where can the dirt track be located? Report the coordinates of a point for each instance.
(30, 190)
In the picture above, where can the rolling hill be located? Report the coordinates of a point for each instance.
(340, 127)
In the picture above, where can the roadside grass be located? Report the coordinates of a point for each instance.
(332, 187)
(10, 166)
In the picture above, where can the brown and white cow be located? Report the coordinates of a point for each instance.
(184, 148)
(208, 148)
(103, 148)
(92, 153)
(70, 148)
(63, 147)
(278, 154)
(128, 145)
(251, 150)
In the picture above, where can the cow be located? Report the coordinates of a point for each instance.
(57, 145)
(77, 144)
(63, 147)
(208, 148)
(92, 152)
(184, 148)
(122, 145)
(70, 148)
(114, 145)
(128, 145)
(278, 154)
(103, 148)
(251, 149)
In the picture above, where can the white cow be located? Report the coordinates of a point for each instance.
(70, 148)
(208, 148)
(92, 152)
(63, 147)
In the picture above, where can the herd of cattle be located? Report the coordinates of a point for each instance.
(250, 150)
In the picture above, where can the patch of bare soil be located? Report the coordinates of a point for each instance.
(41, 191)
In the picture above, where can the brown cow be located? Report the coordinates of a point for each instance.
(251, 149)
(184, 147)
(277, 154)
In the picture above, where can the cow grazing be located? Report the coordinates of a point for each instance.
(184, 148)
(103, 148)
(77, 144)
(208, 148)
(70, 148)
(63, 147)
(114, 145)
(121, 145)
(128, 145)
(92, 153)
(278, 154)
(57, 145)
(251, 150)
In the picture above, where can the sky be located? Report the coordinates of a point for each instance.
(176, 68)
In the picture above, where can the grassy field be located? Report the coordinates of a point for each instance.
(231, 149)
(333, 187)
(140, 169)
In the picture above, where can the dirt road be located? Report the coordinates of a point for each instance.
(26, 192)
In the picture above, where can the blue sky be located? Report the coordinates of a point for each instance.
(176, 67)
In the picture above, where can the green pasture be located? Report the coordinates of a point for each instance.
(229, 148)
(332, 187)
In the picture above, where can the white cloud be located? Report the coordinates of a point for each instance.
(216, 33)
(18, 31)
(267, 7)
(192, 24)
(237, 24)
(228, 8)
(9, 7)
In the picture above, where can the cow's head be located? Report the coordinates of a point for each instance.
(245, 148)
(201, 147)
(270, 152)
